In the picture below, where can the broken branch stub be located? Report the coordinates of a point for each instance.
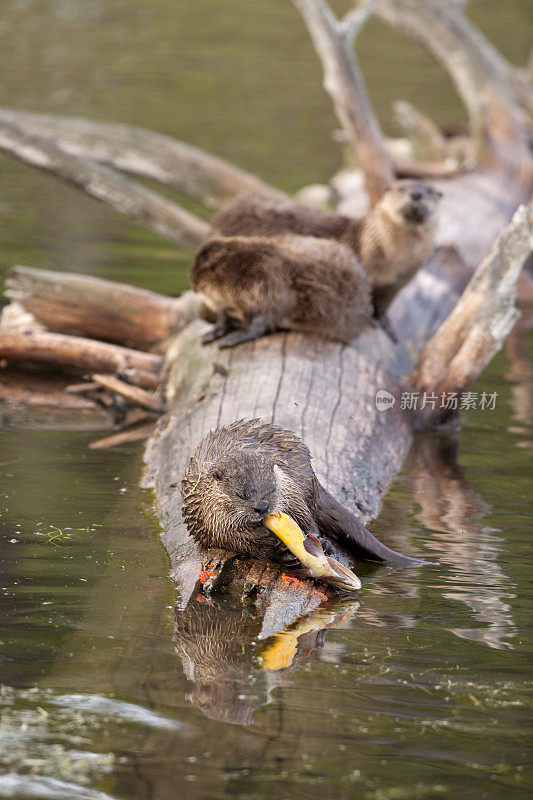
(477, 327)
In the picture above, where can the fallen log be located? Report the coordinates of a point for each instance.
(83, 304)
(73, 352)
(325, 392)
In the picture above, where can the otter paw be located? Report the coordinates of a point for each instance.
(235, 338)
(211, 335)
(327, 546)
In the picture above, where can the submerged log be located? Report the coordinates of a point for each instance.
(39, 400)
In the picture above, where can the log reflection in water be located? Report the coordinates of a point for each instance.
(452, 510)
(232, 669)
(520, 374)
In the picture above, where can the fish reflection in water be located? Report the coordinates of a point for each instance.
(233, 670)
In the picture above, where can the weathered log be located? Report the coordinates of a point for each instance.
(323, 391)
(72, 352)
(83, 304)
(135, 201)
(208, 179)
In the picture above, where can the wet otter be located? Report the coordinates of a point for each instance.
(256, 285)
(391, 242)
(242, 475)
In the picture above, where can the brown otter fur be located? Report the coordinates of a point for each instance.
(259, 284)
(247, 470)
(391, 242)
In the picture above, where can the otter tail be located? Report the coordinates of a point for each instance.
(336, 522)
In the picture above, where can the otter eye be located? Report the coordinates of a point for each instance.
(239, 495)
(217, 474)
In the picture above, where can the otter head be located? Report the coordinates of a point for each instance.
(229, 498)
(411, 201)
(207, 258)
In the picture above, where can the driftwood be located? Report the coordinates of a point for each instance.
(324, 391)
(135, 395)
(73, 352)
(100, 309)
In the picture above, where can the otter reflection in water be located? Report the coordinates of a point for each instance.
(243, 478)
(232, 670)
(272, 264)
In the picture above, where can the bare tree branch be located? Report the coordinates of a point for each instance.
(354, 20)
(478, 325)
(187, 169)
(425, 135)
(475, 68)
(344, 83)
(135, 201)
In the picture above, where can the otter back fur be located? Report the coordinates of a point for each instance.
(259, 284)
(391, 242)
(242, 472)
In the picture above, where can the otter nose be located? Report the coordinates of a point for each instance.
(261, 507)
(416, 195)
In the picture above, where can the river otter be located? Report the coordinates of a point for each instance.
(243, 475)
(257, 285)
(391, 242)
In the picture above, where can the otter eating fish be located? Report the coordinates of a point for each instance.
(250, 488)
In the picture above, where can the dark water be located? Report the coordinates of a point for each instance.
(422, 690)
